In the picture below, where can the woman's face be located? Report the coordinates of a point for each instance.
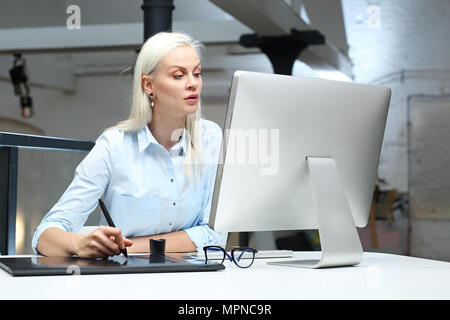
(177, 82)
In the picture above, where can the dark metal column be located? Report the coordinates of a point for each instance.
(283, 50)
(157, 16)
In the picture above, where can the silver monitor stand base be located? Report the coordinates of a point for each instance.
(339, 238)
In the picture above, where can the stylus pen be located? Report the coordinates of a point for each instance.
(110, 222)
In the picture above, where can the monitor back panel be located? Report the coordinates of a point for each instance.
(273, 123)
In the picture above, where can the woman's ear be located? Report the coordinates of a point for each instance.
(147, 84)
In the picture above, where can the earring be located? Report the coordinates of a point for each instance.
(152, 99)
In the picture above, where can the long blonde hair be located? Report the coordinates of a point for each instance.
(151, 54)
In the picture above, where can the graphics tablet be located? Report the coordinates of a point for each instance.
(45, 266)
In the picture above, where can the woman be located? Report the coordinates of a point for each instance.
(156, 170)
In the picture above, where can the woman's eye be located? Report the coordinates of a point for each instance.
(179, 76)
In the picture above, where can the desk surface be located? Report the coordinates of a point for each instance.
(378, 276)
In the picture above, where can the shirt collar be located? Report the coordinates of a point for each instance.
(181, 143)
(145, 138)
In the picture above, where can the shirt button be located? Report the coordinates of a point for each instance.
(174, 203)
(170, 223)
(171, 180)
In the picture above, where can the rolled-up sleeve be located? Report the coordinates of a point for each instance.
(201, 234)
(74, 207)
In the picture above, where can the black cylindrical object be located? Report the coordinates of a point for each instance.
(157, 16)
(157, 251)
(158, 246)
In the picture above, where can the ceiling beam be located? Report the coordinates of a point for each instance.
(327, 16)
(121, 36)
(265, 17)
(277, 17)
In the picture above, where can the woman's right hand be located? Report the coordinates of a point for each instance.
(101, 243)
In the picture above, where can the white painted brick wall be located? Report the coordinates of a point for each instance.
(413, 35)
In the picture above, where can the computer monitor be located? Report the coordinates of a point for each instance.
(300, 154)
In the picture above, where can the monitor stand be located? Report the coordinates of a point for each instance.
(339, 238)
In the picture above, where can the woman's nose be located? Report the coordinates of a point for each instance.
(193, 82)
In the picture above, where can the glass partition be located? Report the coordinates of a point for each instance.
(43, 176)
(34, 173)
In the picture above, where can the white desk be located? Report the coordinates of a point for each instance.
(379, 276)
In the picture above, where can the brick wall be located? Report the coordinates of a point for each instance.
(404, 45)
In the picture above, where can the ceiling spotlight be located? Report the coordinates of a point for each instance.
(19, 80)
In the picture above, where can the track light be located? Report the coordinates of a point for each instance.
(19, 80)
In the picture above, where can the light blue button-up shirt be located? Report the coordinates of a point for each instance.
(144, 187)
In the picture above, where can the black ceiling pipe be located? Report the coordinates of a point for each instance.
(157, 16)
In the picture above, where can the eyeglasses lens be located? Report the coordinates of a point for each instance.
(243, 258)
(215, 253)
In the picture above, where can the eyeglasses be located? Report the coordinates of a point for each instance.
(243, 257)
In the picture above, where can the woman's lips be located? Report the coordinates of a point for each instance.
(192, 98)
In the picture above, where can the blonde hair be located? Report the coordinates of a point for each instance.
(151, 54)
